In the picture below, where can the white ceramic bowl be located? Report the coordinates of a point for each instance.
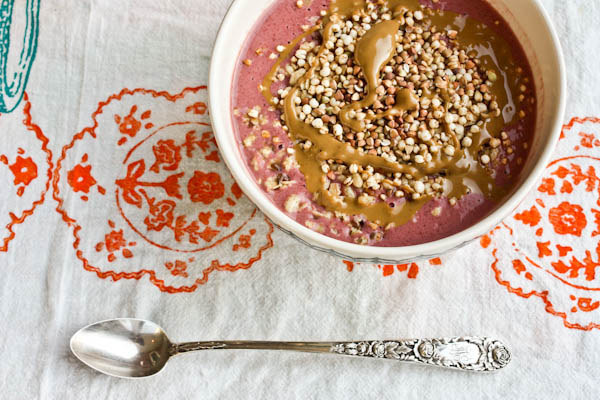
(529, 22)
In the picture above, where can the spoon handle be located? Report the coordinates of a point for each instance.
(462, 353)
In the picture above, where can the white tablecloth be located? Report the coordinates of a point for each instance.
(111, 160)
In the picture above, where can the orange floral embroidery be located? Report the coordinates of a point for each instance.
(36, 180)
(204, 217)
(544, 249)
(223, 218)
(205, 187)
(167, 154)
(530, 217)
(161, 214)
(519, 268)
(114, 240)
(388, 269)
(138, 186)
(566, 187)
(596, 213)
(24, 170)
(244, 243)
(197, 108)
(181, 228)
(585, 304)
(235, 189)
(587, 139)
(578, 176)
(131, 182)
(567, 219)
(208, 234)
(191, 142)
(485, 241)
(563, 250)
(587, 265)
(213, 156)
(128, 125)
(413, 270)
(178, 268)
(547, 186)
(80, 178)
(569, 193)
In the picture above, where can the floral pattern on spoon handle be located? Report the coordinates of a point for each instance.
(461, 353)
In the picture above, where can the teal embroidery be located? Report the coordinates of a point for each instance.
(13, 87)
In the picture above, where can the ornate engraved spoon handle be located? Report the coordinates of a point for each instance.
(462, 353)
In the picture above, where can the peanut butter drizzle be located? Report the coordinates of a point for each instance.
(405, 101)
(464, 174)
(265, 86)
(373, 51)
(345, 8)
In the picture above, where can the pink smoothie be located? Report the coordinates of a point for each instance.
(282, 23)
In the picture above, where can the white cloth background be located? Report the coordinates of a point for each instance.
(89, 50)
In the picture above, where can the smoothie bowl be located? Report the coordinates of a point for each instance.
(386, 130)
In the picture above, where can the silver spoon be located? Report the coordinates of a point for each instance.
(135, 348)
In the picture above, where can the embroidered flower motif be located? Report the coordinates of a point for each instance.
(178, 268)
(223, 218)
(131, 184)
(208, 234)
(114, 240)
(568, 219)
(129, 125)
(80, 178)
(24, 170)
(155, 202)
(197, 108)
(161, 215)
(549, 249)
(205, 187)
(168, 155)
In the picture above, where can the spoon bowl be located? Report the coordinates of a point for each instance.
(123, 347)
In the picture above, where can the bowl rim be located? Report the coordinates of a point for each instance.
(246, 182)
